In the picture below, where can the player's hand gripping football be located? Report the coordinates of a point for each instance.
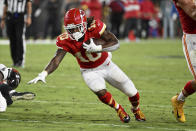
(92, 47)
(41, 77)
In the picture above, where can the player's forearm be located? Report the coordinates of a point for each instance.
(29, 9)
(52, 66)
(194, 13)
(112, 42)
(189, 7)
(56, 60)
(114, 46)
(4, 12)
(191, 11)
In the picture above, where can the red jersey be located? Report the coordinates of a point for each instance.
(188, 24)
(147, 9)
(132, 9)
(95, 8)
(84, 58)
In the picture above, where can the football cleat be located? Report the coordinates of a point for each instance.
(124, 117)
(23, 96)
(139, 116)
(178, 109)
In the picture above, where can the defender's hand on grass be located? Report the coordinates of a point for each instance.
(41, 77)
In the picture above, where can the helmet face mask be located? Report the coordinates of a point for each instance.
(75, 23)
(75, 31)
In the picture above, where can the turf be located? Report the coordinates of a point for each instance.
(157, 68)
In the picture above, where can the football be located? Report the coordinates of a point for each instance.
(96, 41)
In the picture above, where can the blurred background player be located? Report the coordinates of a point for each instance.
(94, 60)
(55, 25)
(14, 15)
(9, 81)
(116, 18)
(187, 13)
(168, 23)
(131, 15)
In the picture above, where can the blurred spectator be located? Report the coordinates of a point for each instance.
(168, 24)
(53, 12)
(71, 4)
(95, 9)
(1, 14)
(177, 26)
(132, 14)
(147, 14)
(155, 23)
(32, 29)
(116, 18)
(84, 6)
(105, 12)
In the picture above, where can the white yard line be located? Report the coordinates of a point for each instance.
(97, 124)
(47, 41)
(94, 103)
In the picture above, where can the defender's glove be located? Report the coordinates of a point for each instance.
(40, 77)
(92, 47)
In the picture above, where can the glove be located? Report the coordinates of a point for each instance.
(40, 77)
(92, 47)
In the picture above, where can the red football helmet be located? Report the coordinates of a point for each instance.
(75, 23)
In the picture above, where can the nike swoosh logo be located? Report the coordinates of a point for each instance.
(178, 114)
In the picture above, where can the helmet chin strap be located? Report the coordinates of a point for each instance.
(77, 35)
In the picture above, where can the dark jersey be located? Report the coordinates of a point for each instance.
(5, 89)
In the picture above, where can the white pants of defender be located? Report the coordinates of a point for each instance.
(3, 104)
(95, 78)
(189, 48)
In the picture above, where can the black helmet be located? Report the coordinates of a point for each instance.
(13, 78)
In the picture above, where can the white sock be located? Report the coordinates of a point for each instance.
(181, 97)
(116, 107)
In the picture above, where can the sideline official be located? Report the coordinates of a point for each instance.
(17, 15)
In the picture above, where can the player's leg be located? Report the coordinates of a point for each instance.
(106, 97)
(178, 101)
(20, 28)
(3, 104)
(22, 96)
(11, 34)
(96, 83)
(117, 78)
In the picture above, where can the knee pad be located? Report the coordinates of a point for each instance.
(193, 57)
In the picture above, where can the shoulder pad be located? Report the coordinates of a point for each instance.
(4, 70)
(63, 36)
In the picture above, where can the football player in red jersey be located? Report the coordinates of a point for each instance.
(94, 60)
(187, 13)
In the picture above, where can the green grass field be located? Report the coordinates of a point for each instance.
(157, 68)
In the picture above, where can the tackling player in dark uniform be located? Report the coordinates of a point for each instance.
(9, 81)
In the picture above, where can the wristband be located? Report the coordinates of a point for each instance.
(44, 73)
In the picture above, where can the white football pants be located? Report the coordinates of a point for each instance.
(95, 78)
(3, 104)
(189, 48)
